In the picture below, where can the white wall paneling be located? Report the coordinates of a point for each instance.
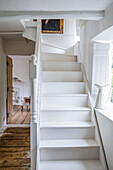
(101, 66)
(89, 31)
(106, 126)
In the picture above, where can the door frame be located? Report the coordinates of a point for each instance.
(7, 87)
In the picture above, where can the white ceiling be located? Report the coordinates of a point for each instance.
(11, 36)
(43, 5)
(105, 36)
(53, 5)
(13, 25)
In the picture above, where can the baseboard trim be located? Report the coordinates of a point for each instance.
(2, 128)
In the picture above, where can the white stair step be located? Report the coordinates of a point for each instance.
(65, 109)
(65, 115)
(51, 150)
(61, 66)
(64, 101)
(71, 165)
(64, 95)
(77, 143)
(65, 130)
(58, 87)
(76, 124)
(61, 76)
(67, 133)
(58, 57)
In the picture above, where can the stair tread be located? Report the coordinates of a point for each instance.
(61, 76)
(70, 55)
(61, 66)
(65, 109)
(76, 124)
(69, 95)
(73, 143)
(71, 165)
(58, 82)
(62, 72)
(75, 62)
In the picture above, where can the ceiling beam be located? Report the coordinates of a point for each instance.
(84, 15)
(10, 32)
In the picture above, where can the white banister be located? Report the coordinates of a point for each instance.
(93, 115)
(35, 69)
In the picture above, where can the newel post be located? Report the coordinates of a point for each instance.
(34, 111)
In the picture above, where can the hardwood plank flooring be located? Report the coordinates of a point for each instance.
(15, 149)
(19, 117)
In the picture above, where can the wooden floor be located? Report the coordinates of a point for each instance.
(15, 149)
(19, 117)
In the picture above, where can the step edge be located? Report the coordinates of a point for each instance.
(84, 109)
(61, 54)
(81, 125)
(74, 62)
(61, 71)
(64, 95)
(94, 143)
(68, 82)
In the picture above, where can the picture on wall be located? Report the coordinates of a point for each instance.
(52, 26)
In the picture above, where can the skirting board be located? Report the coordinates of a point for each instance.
(2, 128)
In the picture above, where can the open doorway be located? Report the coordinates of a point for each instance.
(18, 90)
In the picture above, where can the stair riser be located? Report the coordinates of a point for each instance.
(72, 165)
(61, 66)
(66, 102)
(51, 154)
(58, 57)
(65, 116)
(67, 133)
(57, 88)
(62, 76)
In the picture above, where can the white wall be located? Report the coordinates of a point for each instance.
(61, 42)
(52, 49)
(106, 126)
(95, 59)
(52, 5)
(21, 71)
(19, 47)
(2, 84)
(89, 31)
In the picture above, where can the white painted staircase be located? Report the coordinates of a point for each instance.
(67, 135)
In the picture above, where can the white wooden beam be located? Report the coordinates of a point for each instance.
(85, 15)
(10, 32)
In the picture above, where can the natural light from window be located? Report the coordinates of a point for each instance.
(111, 53)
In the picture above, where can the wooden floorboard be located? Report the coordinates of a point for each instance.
(15, 149)
(19, 117)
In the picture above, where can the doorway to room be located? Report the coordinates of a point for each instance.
(18, 90)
